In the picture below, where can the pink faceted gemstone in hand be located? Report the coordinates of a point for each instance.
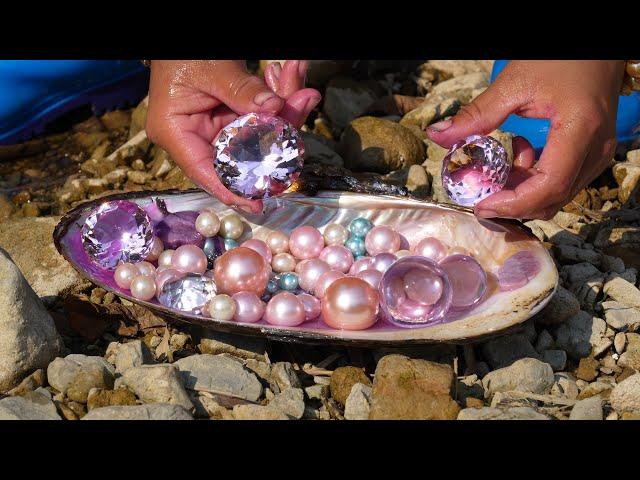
(475, 168)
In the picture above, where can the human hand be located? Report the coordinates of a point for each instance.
(580, 98)
(191, 101)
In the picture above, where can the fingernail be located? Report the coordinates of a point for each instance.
(263, 97)
(440, 126)
(311, 103)
(486, 213)
(276, 69)
(302, 67)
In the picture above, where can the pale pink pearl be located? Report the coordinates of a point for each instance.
(143, 287)
(325, 280)
(310, 272)
(208, 223)
(300, 265)
(259, 246)
(337, 257)
(278, 242)
(422, 287)
(403, 253)
(382, 239)
(157, 247)
(371, 276)
(360, 265)
(164, 260)
(350, 303)
(249, 307)
(167, 275)
(283, 262)
(335, 234)
(189, 258)
(306, 242)
(312, 306)
(285, 309)
(383, 261)
(124, 274)
(431, 248)
(145, 268)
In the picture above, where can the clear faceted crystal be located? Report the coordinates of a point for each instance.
(117, 231)
(258, 155)
(188, 294)
(474, 169)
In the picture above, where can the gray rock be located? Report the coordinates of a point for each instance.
(346, 99)
(317, 392)
(556, 358)
(587, 409)
(625, 397)
(564, 385)
(544, 342)
(33, 406)
(128, 355)
(258, 412)
(623, 292)
(433, 165)
(619, 342)
(436, 108)
(562, 306)
(619, 316)
(505, 350)
(249, 348)
(283, 376)
(28, 337)
(491, 413)
(630, 359)
(318, 149)
(612, 264)
(358, 403)
(157, 384)
(526, 375)
(76, 374)
(578, 274)
(220, 374)
(555, 233)
(578, 335)
(290, 402)
(571, 254)
(460, 87)
(152, 411)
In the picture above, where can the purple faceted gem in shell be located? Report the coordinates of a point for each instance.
(475, 168)
(415, 292)
(176, 229)
(258, 155)
(468, 280)
(117, 231)
(518, 270)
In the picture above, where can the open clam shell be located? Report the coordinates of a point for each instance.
(490, 242)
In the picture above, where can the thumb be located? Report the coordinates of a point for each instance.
(480, 117)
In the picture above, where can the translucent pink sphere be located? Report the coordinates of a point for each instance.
(468, 280)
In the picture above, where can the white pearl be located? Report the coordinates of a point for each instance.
(335, 234)
(164, 260)
(208, 224)
(222, 307)
(231, 227)
(143, 287)
(283, 262)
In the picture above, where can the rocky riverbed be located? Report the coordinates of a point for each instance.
(70, 350)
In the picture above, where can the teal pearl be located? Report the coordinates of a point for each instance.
(360, 226)
(288, 281)
(272, 287)
(356, 245)
(230, 243)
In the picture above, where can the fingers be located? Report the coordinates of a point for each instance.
(524, 156)
(299, 106)
(287, 79)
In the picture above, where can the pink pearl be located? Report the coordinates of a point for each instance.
(383, 261)
(422, 287)
(164, 260)
(360, 265)
(124, 274)
(312, 306)
(241, 270)
(285, 309)
(283, 262)
(371, 276)
(145, 268)
(167, 275)
(310, 272)
(189, 258)
(143, 287)
(306, 242)
(337, 257)
(382, 239)
(278, 242)
(157, 247)
(325, 280)
(259, 246)
(431, 248)
(299, 266)
(402, 253)
(249, 307)
(350, 303)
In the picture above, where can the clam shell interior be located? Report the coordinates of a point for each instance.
(490, 242)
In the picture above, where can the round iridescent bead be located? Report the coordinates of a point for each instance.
(356, 245)
(468, 280)
(360, 226)
(288, 281)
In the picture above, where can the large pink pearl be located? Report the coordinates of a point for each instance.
(285, 309)
(310, 272)
(164, 260)
(167, 275)
(145, 268)
(382, 239)
(337, 257)
(360, 265)
(306, 242)
(383, 261)
(350, 303)
(157, 247)
(124, 274)
(371, 276)
(431, 248)
(423, 287)
(299, 266)
(189, 258)
(249, 307)
(143, 287)
(312, 306)
(241, 269)
(278, 242)
(259, 246)
(325, 280)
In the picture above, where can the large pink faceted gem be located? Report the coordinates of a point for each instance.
(117, 231)
(258, 155)
(475, 168)
(415, 292)
(468, 280)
